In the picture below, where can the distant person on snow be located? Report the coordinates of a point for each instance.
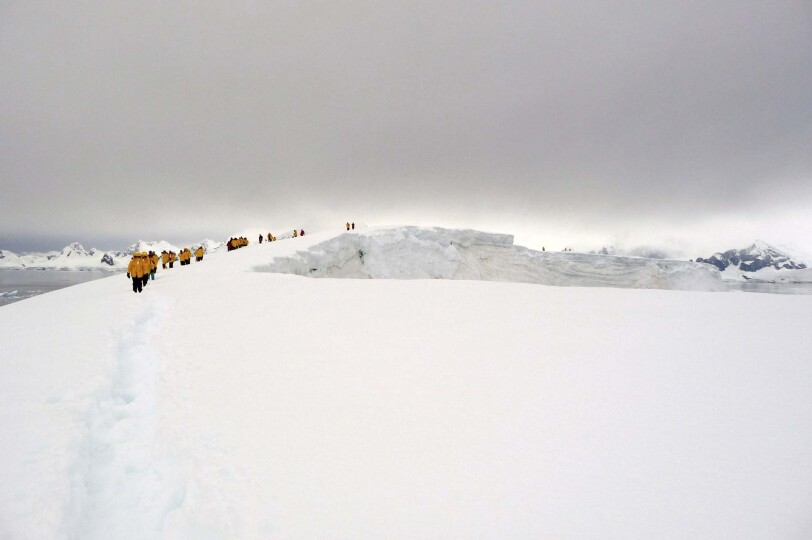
(147, 263)
(260, 238)
(164, 258)
(301, 233)
(153, 259)
(348, 225)
(172, 259)
(353, 225)
(199, 253)
(135, 271)
(295, 233)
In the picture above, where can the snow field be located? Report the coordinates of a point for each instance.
(228, 403)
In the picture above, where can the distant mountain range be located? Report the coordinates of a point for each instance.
(76, 257)
(758, 256)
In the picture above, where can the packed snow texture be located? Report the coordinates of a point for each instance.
(435, 253)
(227, 403)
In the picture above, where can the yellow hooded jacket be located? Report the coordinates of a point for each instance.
(136, 266)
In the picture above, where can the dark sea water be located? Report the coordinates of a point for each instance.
(16, 285)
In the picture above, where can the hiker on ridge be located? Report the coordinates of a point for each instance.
(153, 259)
(135, 270)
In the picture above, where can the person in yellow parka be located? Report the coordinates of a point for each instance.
(147, 267)
(135, 270)
(348, 225)
(164, 258)
(295, 233)
(199, 253)
(172, 259)
(153, 259)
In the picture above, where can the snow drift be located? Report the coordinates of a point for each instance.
(435, 253)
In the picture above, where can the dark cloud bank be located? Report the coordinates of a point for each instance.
(562, 122)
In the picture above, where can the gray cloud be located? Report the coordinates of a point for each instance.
(575, 120)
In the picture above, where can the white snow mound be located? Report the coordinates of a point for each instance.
(436, 253)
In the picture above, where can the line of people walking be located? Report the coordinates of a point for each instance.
(141, 269)
(236, 243)
(144, 265)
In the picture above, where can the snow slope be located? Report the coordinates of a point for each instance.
(10, 260)
(229, 403)
(771, 275)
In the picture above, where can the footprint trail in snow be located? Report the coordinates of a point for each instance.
(122, 486)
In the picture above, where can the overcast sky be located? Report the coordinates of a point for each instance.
(563, 122)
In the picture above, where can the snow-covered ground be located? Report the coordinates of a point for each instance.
(226, 402)
(783, 275)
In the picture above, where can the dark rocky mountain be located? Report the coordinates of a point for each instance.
(757, 256)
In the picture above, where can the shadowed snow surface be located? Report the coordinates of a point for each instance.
(229, 403)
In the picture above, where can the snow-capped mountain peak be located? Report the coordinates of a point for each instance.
(75, 249)
(758, 255)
